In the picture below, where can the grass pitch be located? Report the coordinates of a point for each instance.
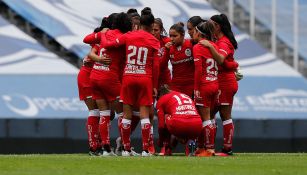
(75, 164)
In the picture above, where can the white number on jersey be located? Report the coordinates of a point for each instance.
(186, 99)
(141, 55)
(211, 64)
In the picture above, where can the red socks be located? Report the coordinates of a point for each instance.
(208, 130)
(228, 131)
(125, 133)
(92, 126)
(104, 127)
(146, 126)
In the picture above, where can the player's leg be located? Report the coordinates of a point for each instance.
(92, 126)
(146, 126)
(226, 101)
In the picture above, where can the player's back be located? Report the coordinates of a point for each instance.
(141, 48)
(178, 104)
(209, 65)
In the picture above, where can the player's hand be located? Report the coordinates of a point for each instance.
(197, 94)
(155, 92)
(86, 60)
(168, 45)
(105, 59)
(238, 74)
(205, 43)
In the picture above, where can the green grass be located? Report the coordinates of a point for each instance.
(75, 164)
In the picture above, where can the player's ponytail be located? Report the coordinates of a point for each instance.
(224, 23)
(147, 18)
(178, 27)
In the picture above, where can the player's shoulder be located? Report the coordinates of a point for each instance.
(224, 41)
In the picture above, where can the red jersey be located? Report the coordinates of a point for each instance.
(176, 104)
(206, 70)
(142, 54)
(227, 50)
(182, 61)
(115, 68)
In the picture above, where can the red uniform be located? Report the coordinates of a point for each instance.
(228, 85)
(142, 66)
(106, 79)
(177, 112)
(84, 85)
(183, 67)
(165, 74)
(206, 72)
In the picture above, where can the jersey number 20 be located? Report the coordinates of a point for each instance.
(140, 53)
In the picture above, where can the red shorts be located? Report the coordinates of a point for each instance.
(226, 93)
(137, 91)
(107, 89)
(208, 94)
(84, 85)
(186, 89)
(184, 127)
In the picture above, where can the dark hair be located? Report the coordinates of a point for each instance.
(160, 23)
(206, 29)
(133, 13)
(147, 18)
(164, 89)
(106, 22)
(224, 23)
(178, 27)
(122, 22)
(195, 20)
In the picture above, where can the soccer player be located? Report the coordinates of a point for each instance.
(228, 85)
(86, 94)
(160, 33)
(179, 52)
(178, 116)
(192, 23)
(140, 78)
(106, 78)
(205, 84)
(135, 17)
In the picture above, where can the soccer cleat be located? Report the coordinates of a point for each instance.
(151, 149)
(198, 151)
(224, 153)
(165, 151)
(133, 153)
(129, 153)
(162, 151)
(92, 153)
(146, 154)
(108, 154)
(126, 153)
(206, 153)
(190, 148)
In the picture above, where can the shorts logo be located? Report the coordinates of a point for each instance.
(188, 52)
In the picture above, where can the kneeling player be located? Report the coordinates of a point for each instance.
(177, 115)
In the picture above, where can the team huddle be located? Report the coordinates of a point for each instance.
(127, 72)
